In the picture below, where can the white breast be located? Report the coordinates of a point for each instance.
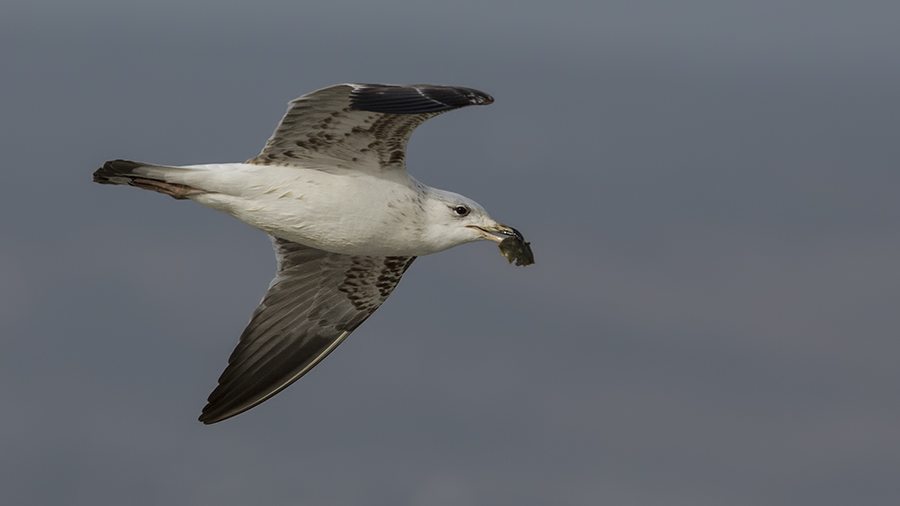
(349, 212)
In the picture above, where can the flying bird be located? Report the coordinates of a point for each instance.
(346, 220)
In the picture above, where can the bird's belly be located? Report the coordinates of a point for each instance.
(347, 216)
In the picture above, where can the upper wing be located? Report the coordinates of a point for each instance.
(359, 126)
(315, 301)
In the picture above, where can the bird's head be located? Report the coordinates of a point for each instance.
(454, 219)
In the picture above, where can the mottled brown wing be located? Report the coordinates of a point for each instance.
(315, 301)
(359, 126)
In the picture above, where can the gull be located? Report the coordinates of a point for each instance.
(345, 217)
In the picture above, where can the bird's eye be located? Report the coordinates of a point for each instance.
(461, 210)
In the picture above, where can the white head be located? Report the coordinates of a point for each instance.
(454, 219)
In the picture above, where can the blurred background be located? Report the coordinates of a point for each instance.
(710, 189)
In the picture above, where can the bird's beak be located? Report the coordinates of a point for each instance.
(497, 232)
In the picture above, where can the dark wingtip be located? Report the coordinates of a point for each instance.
(210, 416)
(415, 98)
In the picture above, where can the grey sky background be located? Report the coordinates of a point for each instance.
(710, 189)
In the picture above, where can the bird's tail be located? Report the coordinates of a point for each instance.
(125, 171)
(144, 175)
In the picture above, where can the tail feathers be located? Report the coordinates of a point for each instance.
(125, 171)
(146, 176)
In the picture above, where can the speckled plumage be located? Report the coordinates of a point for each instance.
(298, 324)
